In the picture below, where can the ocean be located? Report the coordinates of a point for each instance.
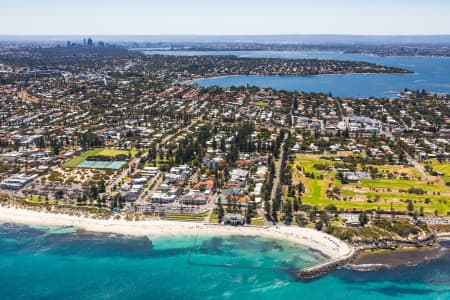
(63, 263)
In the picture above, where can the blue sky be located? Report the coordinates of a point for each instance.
(208, 17)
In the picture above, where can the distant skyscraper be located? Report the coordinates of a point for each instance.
(90, 43)
(84, 42)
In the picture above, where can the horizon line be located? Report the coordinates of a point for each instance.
(230, 34)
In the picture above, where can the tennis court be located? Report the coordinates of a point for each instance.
(90, 164)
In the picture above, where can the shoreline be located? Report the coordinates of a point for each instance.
(339, 253)
(194, 81)
(389, 259)
(285, 51)
(332, 247)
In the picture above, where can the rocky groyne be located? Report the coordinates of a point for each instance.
(326, 267)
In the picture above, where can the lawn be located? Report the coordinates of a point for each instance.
(35, 199)
(160, 162)
(258, 222)
(403, 184)
(315, 188)
(378, 193)
(114, 152)
(74, 162)
(186, 217)
(261, 103)
(441, 167)
(396, 169)
(214, 217)
(371, 194)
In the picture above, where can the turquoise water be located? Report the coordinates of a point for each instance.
(36, 263)
(431, 73)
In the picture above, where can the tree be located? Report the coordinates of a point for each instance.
(267, 207)
(410, 206)
(94, 191)
(288, 211)
(319, 225)
(222, 145)
(363, 219)
(248, 215)
(331, 208)
(301, 221)
(220, 212)
(297, 203)
(59, 194)
(101, 186)
(274, 215)
(324, 217)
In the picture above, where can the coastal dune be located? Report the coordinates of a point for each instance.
(327, 244)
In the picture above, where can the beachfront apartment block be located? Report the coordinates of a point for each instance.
(16, 182)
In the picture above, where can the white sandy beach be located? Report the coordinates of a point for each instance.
(327, 244)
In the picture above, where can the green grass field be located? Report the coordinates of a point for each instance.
(159, 162)
(404, 184)
(396, 169)
(186, 217)
(114, 152)
(258, 222)
(74, 162)
(261, 103)
(315, 188)
(214, 217)
(441, 167)
(378, 193)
